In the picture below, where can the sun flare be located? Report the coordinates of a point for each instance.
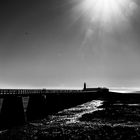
(105, 12)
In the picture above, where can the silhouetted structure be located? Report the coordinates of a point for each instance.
(42, 102)
(85, 86)
(12, 112)
(36, 107)
(99, 89)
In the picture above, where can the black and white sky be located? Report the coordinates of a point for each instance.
(64, 43)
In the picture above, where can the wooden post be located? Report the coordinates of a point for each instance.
(12, 112)
(36, 107)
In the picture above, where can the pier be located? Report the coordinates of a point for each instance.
(41, 103)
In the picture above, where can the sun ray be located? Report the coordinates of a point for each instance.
(109, 13)
(104, 22)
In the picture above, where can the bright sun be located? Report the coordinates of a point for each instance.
(105, 11)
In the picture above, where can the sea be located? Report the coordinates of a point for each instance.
(96, 119)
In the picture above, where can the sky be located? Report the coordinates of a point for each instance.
(63, 43)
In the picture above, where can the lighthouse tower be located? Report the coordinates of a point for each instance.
(85, 86)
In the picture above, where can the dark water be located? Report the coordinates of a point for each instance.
(97, 119)
(88, 113)
(72, 115)
(100, 109)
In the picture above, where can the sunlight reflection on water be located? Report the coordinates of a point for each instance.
(133, 104)
(72, 115)
(121, 104)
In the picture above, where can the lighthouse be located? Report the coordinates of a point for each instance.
(84, 86)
